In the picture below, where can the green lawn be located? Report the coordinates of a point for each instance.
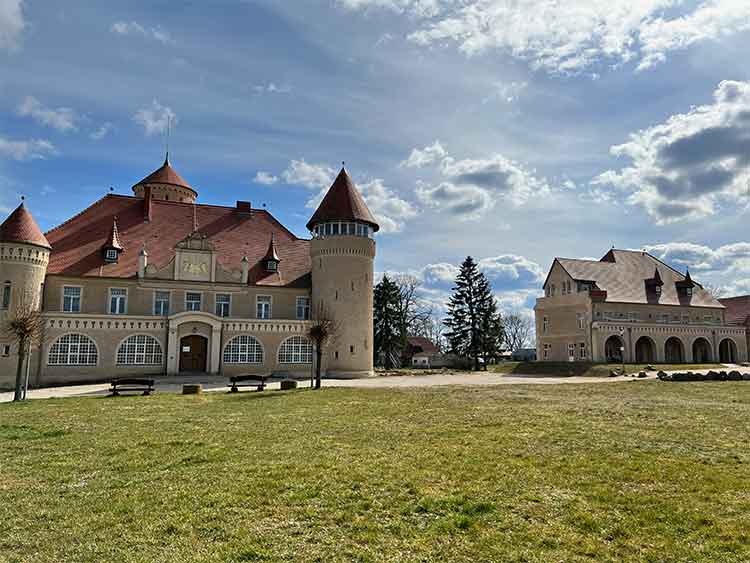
(587, 368)
(630, 471)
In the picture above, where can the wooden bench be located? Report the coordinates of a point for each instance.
(237, 381)
(131, 385)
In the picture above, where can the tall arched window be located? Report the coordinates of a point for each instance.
(295, 350)
(243, 349)
(139, 350)
(73, 350)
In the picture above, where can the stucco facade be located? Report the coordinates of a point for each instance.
(610, 311)
(170, 286)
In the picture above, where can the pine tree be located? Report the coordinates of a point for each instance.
(474, 325)
(386, 321)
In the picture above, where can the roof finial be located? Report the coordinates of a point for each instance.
(169, 131)
(343, 164)
(23, 197)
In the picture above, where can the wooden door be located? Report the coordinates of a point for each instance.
(193, 353)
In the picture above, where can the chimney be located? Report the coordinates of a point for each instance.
(142, 262)
(147, 204)
(245, 269)
(244, 207)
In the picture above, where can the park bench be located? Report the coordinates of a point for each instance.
(131, 385)
(237, 381)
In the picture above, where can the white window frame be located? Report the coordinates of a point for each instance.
(249, 350)
(200, 302)
(304, 307)
(545, 351)
(270, 306)
(80, 298)
(6, 350)
(77, 352)
(295, 350)
(228, 304)
(581, 320)
(169, 302)
(124, 298)
(111, 255)
(148, 352)
(582, 351)
(545, 325)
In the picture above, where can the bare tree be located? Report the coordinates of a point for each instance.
(323, 331)
(412, 312)
(716, 291)
(517, 330)
(25, 325)
(431, 328)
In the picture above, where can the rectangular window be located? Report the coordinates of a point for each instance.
(708, 318)
(335, 229)
(303, 308)
(664, 317)
(263, 306)
(581, 320)
(71, 299)
(6, 350)
(632, 316)
(223, 301)
(161, 303)
(6, 295)
(118, 301)
(545, 325)
(192, 301)
(686, 319)
(111, 255)
(571, 351)
(582, 351)
(545, 352)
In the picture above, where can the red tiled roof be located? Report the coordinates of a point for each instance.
(421, 345)
(165, 175)
(737, 310)
(77, 243)
(21, 227)
(342, 202)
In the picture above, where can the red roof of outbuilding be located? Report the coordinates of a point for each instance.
(737, 310)
(343, 202)
(21, 227)
(77, 243)
(165, 175)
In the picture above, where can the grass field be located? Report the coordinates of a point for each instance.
(586, 368)
(631, 471)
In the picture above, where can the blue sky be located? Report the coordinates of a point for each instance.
(514, 131)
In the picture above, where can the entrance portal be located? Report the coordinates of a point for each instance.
(193, 353)
(701, 351)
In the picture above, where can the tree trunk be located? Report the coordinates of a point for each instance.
(318, 359)
(18, 395)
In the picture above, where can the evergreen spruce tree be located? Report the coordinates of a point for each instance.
(474, 325)
(386, 321)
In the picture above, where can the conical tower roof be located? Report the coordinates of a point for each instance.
(165, 175)
(343, 202)
(21, 227)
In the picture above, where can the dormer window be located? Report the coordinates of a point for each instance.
(272, 265)
(110, 255)
(271, 259)
(113, 246)
(689, 291)
(657, 290)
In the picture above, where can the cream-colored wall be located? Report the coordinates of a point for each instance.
(651, 313)
(95, 296)
(342, 280)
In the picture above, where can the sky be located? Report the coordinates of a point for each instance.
(513, 131)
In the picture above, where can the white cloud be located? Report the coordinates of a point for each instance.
(102, 132)
(32, 149)
(570, 37)
(423, 157)
(685, 167)
(12, 23)
(726, 259)
(134, 28)
(265, 178)
(469, 188)
(507, 92)
(271, 88)
(155, 118)
(62, 119)
(300, 172)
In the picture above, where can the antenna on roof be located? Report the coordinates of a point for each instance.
(169, 131)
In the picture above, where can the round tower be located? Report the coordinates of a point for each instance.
(24, 255)
(165, 184)
(343, 256)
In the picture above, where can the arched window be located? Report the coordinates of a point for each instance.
(73, 350)
(139, 350)
(295, 350)
(243, 349)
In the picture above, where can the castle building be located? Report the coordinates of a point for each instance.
(631, 306)
(157, 284)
